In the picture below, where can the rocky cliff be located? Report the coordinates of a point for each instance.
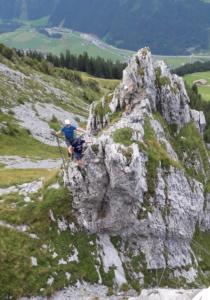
(145, 180)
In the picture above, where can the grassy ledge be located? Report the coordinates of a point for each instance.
(17, 141)
(52, 248)
(123, 136)
(201, 245)
(9, 177)
(189, 146)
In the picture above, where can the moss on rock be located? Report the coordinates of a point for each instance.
(190, 147)
(161, 80)
(123, 136)
(157, 156)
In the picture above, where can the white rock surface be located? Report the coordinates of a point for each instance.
(54, 186)
(54, 255)
(205, 223)
(14, 76)
(74, 257)
(17, 162)
(23, 189)
(203, 295)
(50, 281)
(68, 275)
(111, 258)
(199, 119)
(165, 294)
(90, 292)
(62, 262)
(35, 118)
(62, 224)
(20, 228)
(34, 261)
(111, 194)
(31, 187)
(51, 215)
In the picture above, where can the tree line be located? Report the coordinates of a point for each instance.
(98, 66)
(196, 100)
(192, 68)
(136, 24)
(198, 103)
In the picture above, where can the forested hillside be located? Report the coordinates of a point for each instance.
(31, 9)
(166, 26)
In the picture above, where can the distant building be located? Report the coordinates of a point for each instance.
(200, 82)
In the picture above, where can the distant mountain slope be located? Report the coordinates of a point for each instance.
(166, 26)
(31, 9)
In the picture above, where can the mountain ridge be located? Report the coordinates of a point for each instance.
(150, 169)
(127, 25)
(135, 216)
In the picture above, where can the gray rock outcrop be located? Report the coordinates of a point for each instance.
(199, 119)
(149, 85)
(36, 118)
(137, 184)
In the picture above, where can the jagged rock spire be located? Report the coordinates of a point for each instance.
(149, 84)
(136, 183)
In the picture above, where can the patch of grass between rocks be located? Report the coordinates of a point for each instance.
(51, 250)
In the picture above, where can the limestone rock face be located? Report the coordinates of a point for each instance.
(199, 119)
(206, 215)
(138, 82)
(136, 184)
(172, 100)
(150, 85)
(109, 175)
(166, 294)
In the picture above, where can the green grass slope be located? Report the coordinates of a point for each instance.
(50, 247)
(53, 248)
(204, 90)
(28, 37)
(71, 91)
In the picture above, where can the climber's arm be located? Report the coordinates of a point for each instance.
(81, 130)
(58, 133)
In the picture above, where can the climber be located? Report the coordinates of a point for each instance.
(77, 146)
(69, 130)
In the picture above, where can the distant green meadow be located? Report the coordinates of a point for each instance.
(28, 37)
(177, 61)
(204, 90)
